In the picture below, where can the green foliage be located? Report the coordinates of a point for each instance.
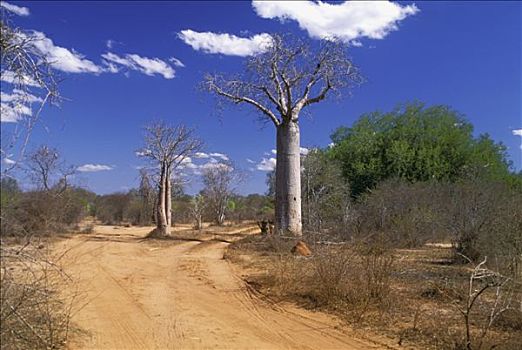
(415, 143)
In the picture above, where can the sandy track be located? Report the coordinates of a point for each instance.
(140, 294)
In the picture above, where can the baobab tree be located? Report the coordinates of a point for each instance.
(166, 147)
(290, 75)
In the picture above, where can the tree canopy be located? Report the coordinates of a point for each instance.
(415, 143)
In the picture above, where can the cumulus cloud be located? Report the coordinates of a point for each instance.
(266, 164)
(201, 155)
(60, 58)
(205, 161)
(347, 21)
(220, 155)
(250, 161)
(91, 168)
(18, 10)
(226, 44)
(145, 65)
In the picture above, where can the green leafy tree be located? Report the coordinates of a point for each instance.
(415, 143)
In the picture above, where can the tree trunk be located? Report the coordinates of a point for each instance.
(288, 179)
(168, 201)
(161, 221)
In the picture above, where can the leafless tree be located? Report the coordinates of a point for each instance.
(198, 206)
(32, 81)
(482, 280)
(147, 196)
(218, 181)
(289, 76)
(166, 147)
(48, 171)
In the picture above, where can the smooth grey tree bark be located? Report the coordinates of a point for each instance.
(288, 76)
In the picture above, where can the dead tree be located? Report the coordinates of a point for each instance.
(289, 76)
(198, 205)
(27, 78)
(166, 147)
(147, 196)
(218, 181)
(48, 172)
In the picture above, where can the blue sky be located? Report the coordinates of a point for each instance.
(464, 54)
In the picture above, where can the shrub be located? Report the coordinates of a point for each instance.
(32, 313)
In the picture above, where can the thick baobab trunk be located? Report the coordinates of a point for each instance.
(288, 179)
(162, 227)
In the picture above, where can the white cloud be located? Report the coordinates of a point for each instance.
(19, 96)
(12, 78)
(110, 43)
(18, 10)
(90, 168)
(13, 113)
(345, 21)
(267, 164)
(16, 105)
(62, 59)
(226, 44)
(518, 132)
(201, 155)
(9, 161)
(250, 161)
(219, 155)
(176, 62)
(331, 145)
(145, 65)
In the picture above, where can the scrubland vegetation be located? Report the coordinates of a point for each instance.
(423, 244)
(425, 247)
(415, 224)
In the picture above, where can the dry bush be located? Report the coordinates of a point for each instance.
(288, 274)
(405, 214)
(40, 213)
(488, 295)
(32, 313)
(347, 280)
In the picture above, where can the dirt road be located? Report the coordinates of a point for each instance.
(142, 294)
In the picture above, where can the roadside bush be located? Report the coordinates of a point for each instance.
(32, 313)
(43, 212)
(347, 279)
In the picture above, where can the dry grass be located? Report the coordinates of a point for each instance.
(33, 315)
(413, 295)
